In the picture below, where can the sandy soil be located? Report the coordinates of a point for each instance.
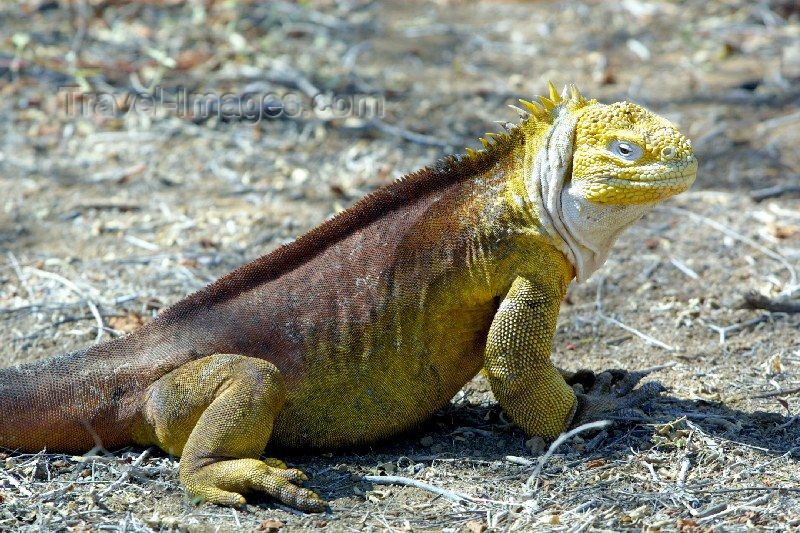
(131, 212)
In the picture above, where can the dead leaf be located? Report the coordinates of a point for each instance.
(782, 231)
(475, 526)
(270, 525)
(594, 463)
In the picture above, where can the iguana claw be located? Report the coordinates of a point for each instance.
(614, 396)
(223, 483)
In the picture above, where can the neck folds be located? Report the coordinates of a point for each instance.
(591, 228)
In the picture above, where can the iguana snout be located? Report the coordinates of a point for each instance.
(626, 155)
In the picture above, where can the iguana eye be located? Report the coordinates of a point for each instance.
(626, 150)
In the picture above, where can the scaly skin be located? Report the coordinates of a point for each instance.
(365, 326)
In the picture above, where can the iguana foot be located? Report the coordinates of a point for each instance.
(614, 396)
(217, 413)
(224, 482)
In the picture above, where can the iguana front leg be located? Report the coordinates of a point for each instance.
(217, 413)
(529, 387)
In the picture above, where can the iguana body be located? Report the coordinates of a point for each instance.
(366, 325)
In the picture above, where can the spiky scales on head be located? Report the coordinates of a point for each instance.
(536, 117)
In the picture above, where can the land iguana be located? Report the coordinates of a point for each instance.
(363, 327)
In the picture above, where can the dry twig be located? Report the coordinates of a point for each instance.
(419, 138)
(773, 394)
(760, 195)
(558, 442)
(756, 300)
(74, 288)
(724, 330)
(730, 232)
(644, 336)
(456, 497)
(127, 473)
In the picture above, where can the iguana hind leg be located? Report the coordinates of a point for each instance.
(217, 413)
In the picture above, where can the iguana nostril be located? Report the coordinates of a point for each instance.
(668, 152)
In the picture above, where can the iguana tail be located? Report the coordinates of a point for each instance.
(87, 398)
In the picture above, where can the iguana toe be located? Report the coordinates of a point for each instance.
(628, 382)
(224, 482)
(273, 462)
(614, 396)
(583, 377)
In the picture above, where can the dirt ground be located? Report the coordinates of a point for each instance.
(109, 217)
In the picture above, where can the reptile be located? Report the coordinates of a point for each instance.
(363, 327)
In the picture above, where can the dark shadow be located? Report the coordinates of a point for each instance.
(480, 434)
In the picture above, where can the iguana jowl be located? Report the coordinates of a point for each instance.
(364, 326)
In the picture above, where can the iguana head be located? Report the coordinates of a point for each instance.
(624, 154)
(590, 170)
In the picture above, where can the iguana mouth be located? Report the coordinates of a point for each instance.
(676, 177)
(675, 180)
(642, 188)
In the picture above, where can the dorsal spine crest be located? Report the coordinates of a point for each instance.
(531, 113)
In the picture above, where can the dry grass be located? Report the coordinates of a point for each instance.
(105, 221)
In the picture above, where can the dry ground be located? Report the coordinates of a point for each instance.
(132, 212)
